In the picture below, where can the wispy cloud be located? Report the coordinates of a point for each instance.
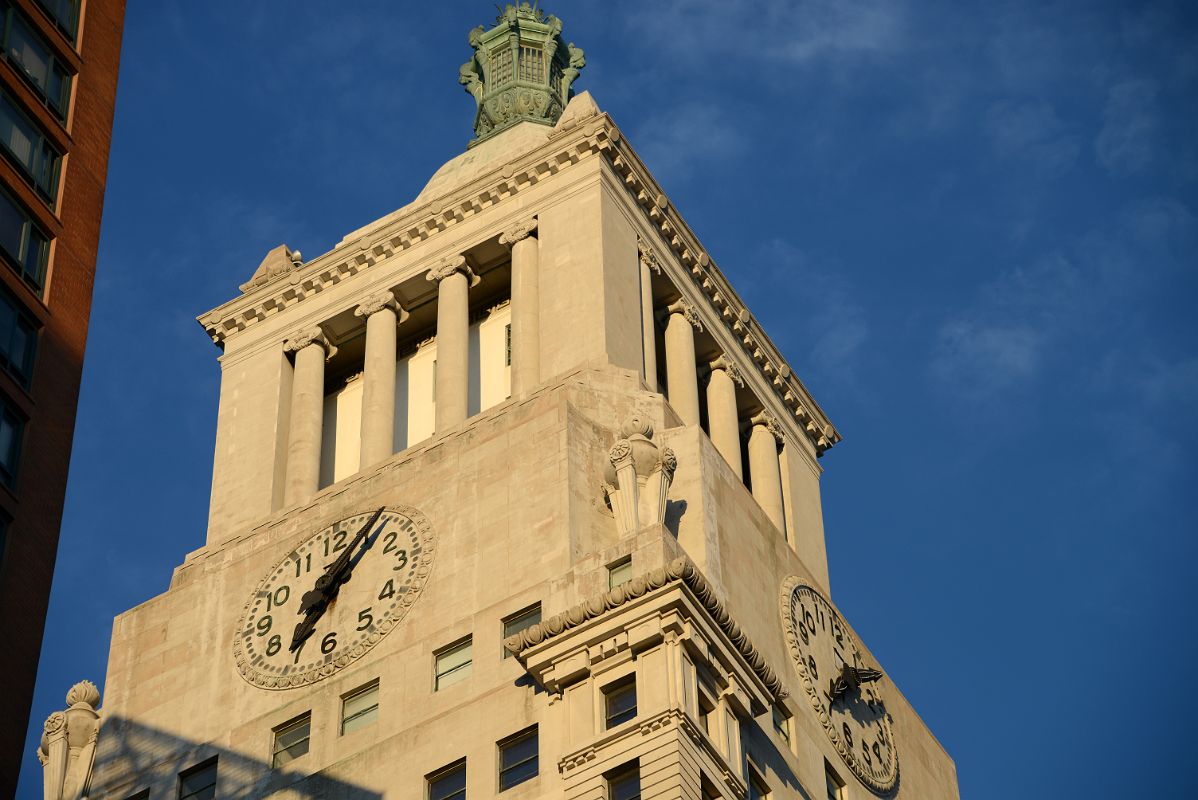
(676, 140)
(1126, 142)
(798, 31)
(1031, 133)
(836, 328)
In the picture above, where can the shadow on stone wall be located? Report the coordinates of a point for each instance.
(132, 757)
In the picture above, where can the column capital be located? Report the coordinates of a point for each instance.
(688, 311)
(768, 421)
(729, 367)
(647, 255)
(309, 336)
(450, 266)
(518, 232)
(377, 302)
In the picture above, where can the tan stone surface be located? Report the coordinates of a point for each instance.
(517, 491)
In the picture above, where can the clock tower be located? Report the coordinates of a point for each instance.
(512, 496)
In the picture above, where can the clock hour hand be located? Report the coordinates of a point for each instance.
(850, 679)
(316, 600)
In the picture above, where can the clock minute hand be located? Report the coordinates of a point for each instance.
(851, 678)
(316, 600)
(341, 569)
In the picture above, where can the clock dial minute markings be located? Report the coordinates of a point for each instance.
(316, 600)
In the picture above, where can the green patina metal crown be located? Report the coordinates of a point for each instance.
(521, 70)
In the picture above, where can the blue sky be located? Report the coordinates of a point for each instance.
(970, 227)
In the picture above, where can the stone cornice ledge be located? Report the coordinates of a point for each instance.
(680, 570)
(565, 148)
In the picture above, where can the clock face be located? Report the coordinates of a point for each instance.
(852, 713)
(333, 598)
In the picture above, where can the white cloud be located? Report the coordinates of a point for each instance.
(1125, 143)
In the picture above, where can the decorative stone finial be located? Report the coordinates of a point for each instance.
(67, 750)
(84, 692)
(637, 476)
(520, 70)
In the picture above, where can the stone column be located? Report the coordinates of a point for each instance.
(722, 416)
(311, 350)
(764, 469)
(383, 313)
(526, 299)
(454, 279)
(682, 377)
(649, 265)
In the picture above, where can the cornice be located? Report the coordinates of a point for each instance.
(680, 570)
(565, 148)
(570, 143)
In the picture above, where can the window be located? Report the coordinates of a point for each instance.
(23, 242)
(501, 68)
(619, 701)
(781, 720)
(12, 427)
(624, 783)
(507, 345)
(144, 794)
(18, 335)
(26, 49)
(28, 149)
(619, 572)
(518, 758)
(448, 783)
(707, 788)
(65, 14)
(520, 621)
(835, 784)
(532, 64)
(360, 708)
(452, 664)
(291, 740)
(198, 783)
(757, 788)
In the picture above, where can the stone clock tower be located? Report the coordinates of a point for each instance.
(512, 496)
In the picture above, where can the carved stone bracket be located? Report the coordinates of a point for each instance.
(730, 369)
(68, 746)
(638, 476)
(377, 302)
(647, 255)
(518, 232)
(688, 311)
(310, 336)
(449, 266)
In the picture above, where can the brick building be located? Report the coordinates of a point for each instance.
(58, 75)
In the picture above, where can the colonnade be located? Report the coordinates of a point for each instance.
(383, 313)
(765, 435)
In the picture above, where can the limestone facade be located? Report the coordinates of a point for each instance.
(618, 470)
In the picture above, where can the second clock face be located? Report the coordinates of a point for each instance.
(855, 719)
(387, 569)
